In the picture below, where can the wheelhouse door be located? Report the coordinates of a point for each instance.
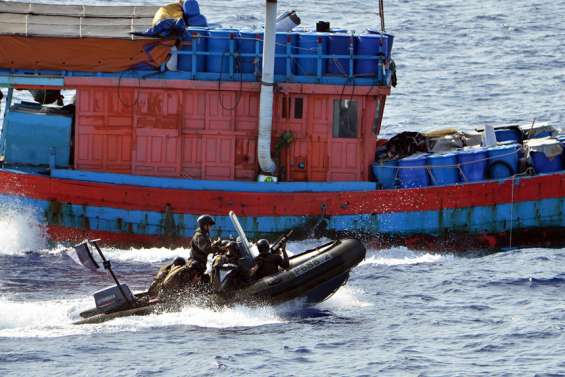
(345, 153)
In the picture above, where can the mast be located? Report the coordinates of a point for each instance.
(382, 14)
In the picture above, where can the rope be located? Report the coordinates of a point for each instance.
(239, 93)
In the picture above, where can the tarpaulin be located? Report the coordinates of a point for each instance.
(168, 21)
(81, 54)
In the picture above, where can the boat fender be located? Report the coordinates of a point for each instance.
(494, 164)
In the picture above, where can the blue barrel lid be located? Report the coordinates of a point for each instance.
(474, 149)
(505, 146)
(442, 155)
(314, 34)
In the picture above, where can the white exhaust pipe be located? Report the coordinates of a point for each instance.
(266, 162)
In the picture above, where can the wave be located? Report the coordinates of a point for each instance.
(531, 282)
(53, 318)
(347, 297)
(150, 255)
(20, 229)
(402, 256)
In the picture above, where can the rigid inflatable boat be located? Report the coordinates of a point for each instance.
(312, 277)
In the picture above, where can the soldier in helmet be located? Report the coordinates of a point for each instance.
(201, 244)
(268, 263)
(157, 283)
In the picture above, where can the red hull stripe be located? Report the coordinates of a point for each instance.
(283, 204)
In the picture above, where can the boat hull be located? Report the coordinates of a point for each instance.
(487, 215)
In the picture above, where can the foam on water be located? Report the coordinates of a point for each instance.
(402, 256)
(53, 318)
(347, 297)
(20, 230)
(151, 255)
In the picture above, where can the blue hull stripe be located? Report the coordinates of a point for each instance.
(476, 220)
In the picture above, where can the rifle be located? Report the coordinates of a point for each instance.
(282, 240)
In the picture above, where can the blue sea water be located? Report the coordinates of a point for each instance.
(402, 313)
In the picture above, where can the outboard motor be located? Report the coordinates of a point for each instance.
(113, 298)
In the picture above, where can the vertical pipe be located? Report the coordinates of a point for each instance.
(266, 162)
(382, 14)
(8, 103)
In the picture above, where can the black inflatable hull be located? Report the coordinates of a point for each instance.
(313, 277)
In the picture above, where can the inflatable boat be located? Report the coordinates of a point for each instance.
(312, 277)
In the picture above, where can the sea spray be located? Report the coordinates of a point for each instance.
(54, 318)
(20, 229)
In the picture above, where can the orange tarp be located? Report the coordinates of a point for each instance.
(81, 54)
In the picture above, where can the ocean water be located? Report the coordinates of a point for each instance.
(402, 313)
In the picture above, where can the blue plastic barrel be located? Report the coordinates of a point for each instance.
(473, 164)
(385, 173)
(247, 44)
(503, 161)
(412, 171)
(283, 39)
(443, 169)
(389, 41)
(310, 44)
(339, 44)
(199, 38)
(199, 21)
(219, 43)
(541, 134)
(369, 45)
(191, 8)
(544, 164)
(508, 134)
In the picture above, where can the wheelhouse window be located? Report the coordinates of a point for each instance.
(297, 110)
(298, 107)
(345, 119)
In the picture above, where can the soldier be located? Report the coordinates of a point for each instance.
(157, 283)
(229, 257)
(268, 264)
(201, 244)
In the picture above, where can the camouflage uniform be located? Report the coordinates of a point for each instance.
(201, 246)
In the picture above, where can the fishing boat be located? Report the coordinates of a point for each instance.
(312, 277)
(282, 127)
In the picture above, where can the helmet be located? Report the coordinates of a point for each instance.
(232, 248)
(263, 246)
(205, 220)
(179, 261)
